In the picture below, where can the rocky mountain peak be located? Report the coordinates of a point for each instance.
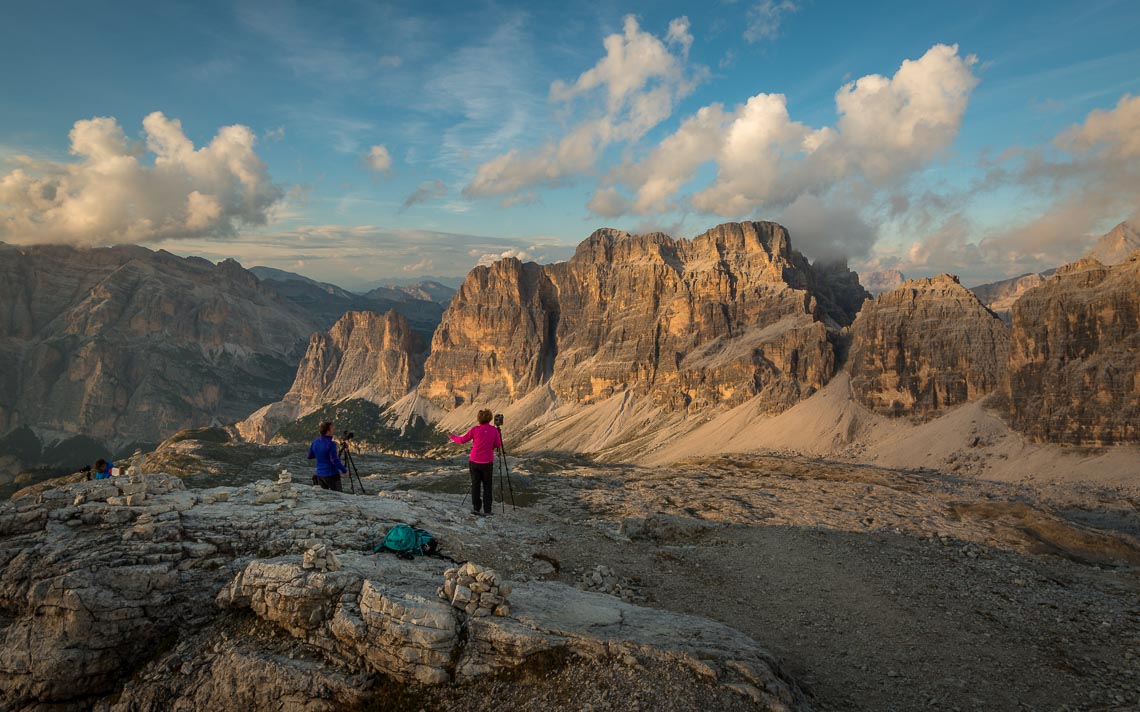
(375, 357)
(728, 315)
(927, 345)
(1075, 356)
(1115, 246)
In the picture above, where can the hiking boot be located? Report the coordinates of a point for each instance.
(476, 513)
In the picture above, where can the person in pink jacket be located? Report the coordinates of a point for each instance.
(486, 439)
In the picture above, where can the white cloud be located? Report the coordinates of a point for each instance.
(764, 19)
(679, 34)
(428, 190)
(488, 258)
(886, 129)
(390, 61)
(111, 194)
(378, 159)
(640, 82)
(274, 134)
(1090, 180)
(420, 267)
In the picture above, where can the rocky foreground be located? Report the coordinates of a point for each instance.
(139, 594)
(756, 582)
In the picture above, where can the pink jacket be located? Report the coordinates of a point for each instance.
(486, 439)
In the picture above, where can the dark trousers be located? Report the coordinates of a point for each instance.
(329, 483)
(481, 473)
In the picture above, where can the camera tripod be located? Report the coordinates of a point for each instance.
(504, 472)
(345, 456)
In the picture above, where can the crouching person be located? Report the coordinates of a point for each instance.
(486, 439)
(328, 465)
(104, 469)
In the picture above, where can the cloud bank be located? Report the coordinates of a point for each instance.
(114, 192)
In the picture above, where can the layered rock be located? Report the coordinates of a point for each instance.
(732, 314)
(928, 345)
(130, 344)
(99, 579)
(1075, 356)
(374, 357)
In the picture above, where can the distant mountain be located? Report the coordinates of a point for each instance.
(272, 274)
(427, 290)
(327, 302)
(452, 283)
(1000, 296)
(1117, 245)
(126, 344)
(881, 281)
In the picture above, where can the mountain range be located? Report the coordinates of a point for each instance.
(104, 349)
(627, 348)
(646, 348)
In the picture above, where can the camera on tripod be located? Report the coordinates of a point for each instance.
(498, 420)
(348, 436)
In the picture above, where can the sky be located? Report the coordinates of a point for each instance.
(358, 142)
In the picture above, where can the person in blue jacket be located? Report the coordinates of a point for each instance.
(103, 469)
(329, 467)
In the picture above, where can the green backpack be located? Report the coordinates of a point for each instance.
(408, 542)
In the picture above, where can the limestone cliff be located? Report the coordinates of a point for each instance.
(927, 345)
(378, 358)
(128, 343)
(724, 317)
(1075, 356)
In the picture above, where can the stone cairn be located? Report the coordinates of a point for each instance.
(476, 590)
(320, 558)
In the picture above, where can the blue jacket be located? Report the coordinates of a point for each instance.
(323, 450)
(105, 474)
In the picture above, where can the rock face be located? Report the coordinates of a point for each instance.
(99, 579)
(378, 358)
(928, 345)
(127, 343)
(1117, 245)
(1075, 356)
(729, 315)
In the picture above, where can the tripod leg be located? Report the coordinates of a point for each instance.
(507, 470)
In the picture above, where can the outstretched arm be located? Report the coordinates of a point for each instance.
(465, 438)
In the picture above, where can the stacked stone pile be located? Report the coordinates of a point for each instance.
(320, 558)
(476, 590)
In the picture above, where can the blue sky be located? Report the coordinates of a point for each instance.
(520, 128)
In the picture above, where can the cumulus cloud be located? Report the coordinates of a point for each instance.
(886, 129)
(637, 84)
(828, 229)
(764, 19)
(113, 193)
(428, 190)
(378, 159)
(488, 258)
(1089, 177)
